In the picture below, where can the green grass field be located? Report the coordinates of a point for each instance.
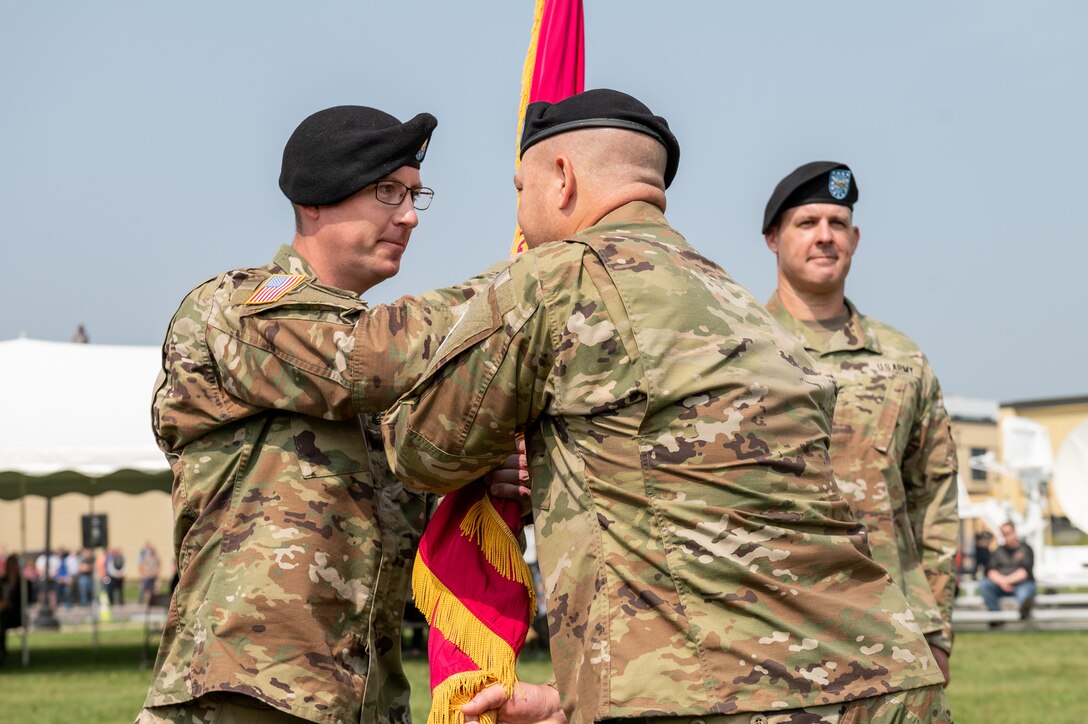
(996, 677)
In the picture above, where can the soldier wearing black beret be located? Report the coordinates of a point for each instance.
(819, 182)
(296, 541)
(891, 443)
(601, 108)
(671, 423)
(615, 142)
(337, 151)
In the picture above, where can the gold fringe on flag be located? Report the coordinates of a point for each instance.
(489, 651)
(447, 698)
(484, 526)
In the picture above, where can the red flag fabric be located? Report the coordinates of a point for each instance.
(555, 65)
(470, 580)
(472, 584)
(560, 64)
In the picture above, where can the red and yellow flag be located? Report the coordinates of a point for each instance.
(470, 579)
(555, 66)
(473, 586)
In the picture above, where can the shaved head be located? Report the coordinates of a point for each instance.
(611, 157)
(570, 181)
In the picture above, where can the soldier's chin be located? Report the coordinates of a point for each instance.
(389, 268)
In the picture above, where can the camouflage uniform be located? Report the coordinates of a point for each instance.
(293, 540)
(893, 455)
(696, 555)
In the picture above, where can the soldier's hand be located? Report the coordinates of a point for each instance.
(530, 704)
(511, 479)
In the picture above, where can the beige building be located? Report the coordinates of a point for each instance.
(1059, 416)
(976, 428)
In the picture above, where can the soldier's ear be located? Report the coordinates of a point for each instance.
(771, 237)
(857, 238)
(566, 180)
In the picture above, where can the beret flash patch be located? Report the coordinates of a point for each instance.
(838, 183)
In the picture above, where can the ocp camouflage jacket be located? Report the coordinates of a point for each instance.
(696, 554)
(293, 540)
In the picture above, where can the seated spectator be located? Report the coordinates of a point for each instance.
(1010, 573)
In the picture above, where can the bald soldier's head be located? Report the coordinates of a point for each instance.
(587, 156)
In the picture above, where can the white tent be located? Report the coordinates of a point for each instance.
(77, 418)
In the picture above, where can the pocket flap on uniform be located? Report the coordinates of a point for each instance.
(327, 447)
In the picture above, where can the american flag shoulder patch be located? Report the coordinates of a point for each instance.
(275, 287)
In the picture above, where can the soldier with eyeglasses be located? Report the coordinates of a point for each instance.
(294, 542)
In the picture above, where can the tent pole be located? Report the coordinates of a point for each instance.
(23, 583)
(46, 618)
(94, 589)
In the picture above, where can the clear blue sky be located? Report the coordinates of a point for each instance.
(140, 147)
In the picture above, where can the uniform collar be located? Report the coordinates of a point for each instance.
(634, 212)
(854, 335)
(291, 262)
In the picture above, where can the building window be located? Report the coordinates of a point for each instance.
(978, 475)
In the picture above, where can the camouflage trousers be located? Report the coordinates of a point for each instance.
(915, 706)
(216, 710)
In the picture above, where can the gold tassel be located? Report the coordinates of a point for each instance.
(445, 612)
(448, 697)
(484, 526)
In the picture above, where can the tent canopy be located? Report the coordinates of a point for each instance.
(77, 419)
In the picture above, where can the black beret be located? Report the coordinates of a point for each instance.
(337, 151)
(599, 108)
(819, 182)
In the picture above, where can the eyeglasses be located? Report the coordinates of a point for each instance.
(393, 193)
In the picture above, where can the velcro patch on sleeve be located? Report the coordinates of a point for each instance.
(478, 319)
(275, 288)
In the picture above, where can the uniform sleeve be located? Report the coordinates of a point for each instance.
(330, 356)
(929, 474)
(488, 381)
